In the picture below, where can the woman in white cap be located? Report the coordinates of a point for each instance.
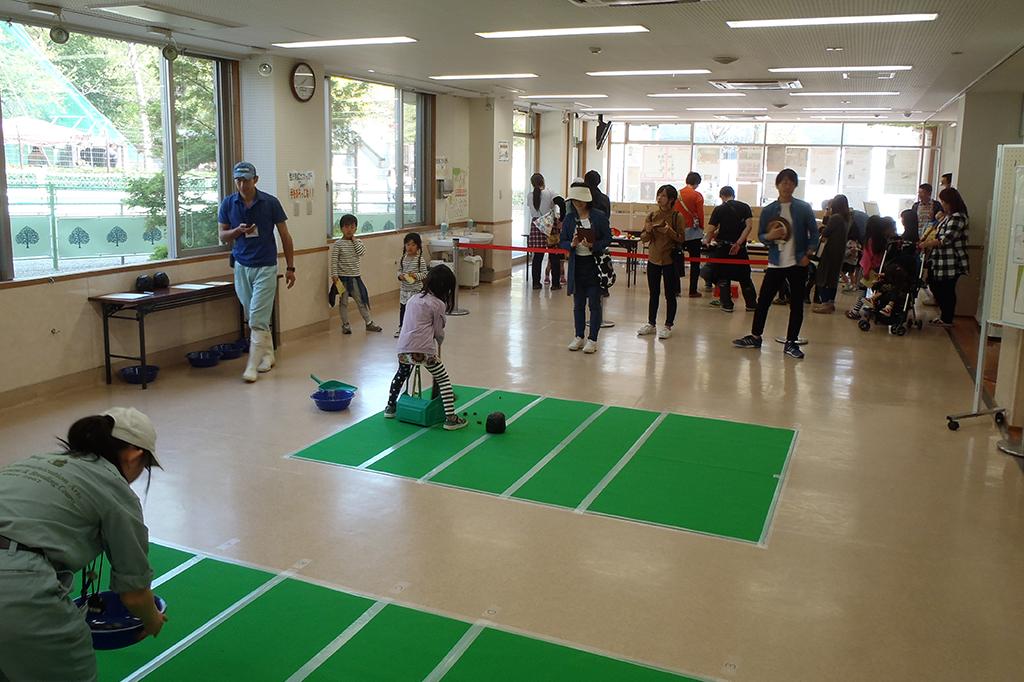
(58, 512)
(586, 233)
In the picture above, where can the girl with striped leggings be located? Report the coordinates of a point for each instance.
(420, 342)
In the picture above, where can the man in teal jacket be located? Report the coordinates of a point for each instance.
(788, 258)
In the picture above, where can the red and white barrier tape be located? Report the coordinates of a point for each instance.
(615, 254)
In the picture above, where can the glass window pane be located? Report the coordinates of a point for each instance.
(412, 181)
(888, 134)
(736, 166)
(728, 133)
(522, 169)
(195, 106)
(84, 153)
(817, 168)
(363, 154)
(618, 132)
(804, 133)
(888, 177)
(522, 122)
(649, 166)
(662, 132)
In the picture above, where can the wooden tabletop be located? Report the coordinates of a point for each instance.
(181, 291)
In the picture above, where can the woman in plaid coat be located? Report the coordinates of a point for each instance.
(948, 258)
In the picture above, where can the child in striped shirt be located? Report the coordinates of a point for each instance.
(345, 256)
(412, 270)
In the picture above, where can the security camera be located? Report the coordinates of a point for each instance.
(59, 35)
(169, 52)
(780, 105)
(906, 114)
(595, 50)
(265, 69)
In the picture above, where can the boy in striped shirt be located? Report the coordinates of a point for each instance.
(344, 267)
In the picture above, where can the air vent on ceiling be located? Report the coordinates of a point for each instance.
(758, 85)
(631, 3)
(869, 75)
(740, 117)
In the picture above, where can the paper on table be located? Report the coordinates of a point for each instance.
(191, 286)
(127, 297)
(218, 284)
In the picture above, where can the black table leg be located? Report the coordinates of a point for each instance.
(107, 312)
(141, 314)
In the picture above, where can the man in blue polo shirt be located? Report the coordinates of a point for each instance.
(247, 220)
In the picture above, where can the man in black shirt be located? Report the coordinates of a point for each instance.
(730, 230)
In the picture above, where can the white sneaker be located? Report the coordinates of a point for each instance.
(576, 344)
(590, 347)
(664, 332)
(646, 330)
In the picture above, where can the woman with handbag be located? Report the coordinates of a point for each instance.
(663, 232)
(831, 253)
(586, 235)
(539, 204)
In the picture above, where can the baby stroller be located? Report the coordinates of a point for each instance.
(890, 298)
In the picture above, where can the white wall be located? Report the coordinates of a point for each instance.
(553, 151)
(451, 140)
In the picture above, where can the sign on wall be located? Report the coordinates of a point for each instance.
(504, 154)
(301, 191)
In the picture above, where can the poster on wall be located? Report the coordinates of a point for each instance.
(823, 164)
(856, 167)
(301, 191)
(458, 202)
(504, 155)
(796, 158)
(442, 171)
(901, 166)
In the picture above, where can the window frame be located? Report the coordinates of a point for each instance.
(423, 152)
(228, 132)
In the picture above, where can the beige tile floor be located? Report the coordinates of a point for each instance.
(896, 553)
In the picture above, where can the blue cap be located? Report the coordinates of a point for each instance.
(244, 169)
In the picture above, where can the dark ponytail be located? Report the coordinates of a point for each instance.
(89, 437)
(537, 180)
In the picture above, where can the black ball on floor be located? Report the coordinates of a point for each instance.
(496, 422)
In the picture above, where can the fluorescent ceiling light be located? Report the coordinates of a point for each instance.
(157, 14)
(727, 108)
(654, 72)
(848, 118)
(578, 31)
(645, 118)
(562, 96)
(40, 8)
(847, 108)
(836, 69)
(344, 42)
(833, 21)
(842, 94)
(483, 76)
(598, 110)
(698, 94)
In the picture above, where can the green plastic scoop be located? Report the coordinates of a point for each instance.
(333, 385)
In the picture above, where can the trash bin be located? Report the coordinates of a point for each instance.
(437, 262)
(469, 271)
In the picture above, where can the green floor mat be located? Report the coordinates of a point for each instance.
(422, 638)
(711, 500)
(417, 458)
(359, 442)
(570, 476)
(193, 597)
(713, 442)
(161, 559)
(498, 656)
(270, 638)
(498, 463)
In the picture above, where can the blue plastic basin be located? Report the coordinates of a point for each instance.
(332, 401)
(203, 358)
(114, 626)
(135, 374)
(228, 351)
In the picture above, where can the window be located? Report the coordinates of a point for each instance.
(804, 133)
(662, 132)
(728, 133)
(85, 152)
(377, 135)
(887, 134)
(736, 166)
(524, 146)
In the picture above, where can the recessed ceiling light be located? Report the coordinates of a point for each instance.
(697, 94)
(345, 42)
(577, 31)
(562, 96)
(833, 21)
(847, 108)
(655, 72)
(842, 94)
(597, 110)
(483, 76)
(727, 108)
(836, 69)
(848, 118)
(645, 118)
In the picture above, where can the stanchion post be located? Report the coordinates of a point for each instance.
(456, 310)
